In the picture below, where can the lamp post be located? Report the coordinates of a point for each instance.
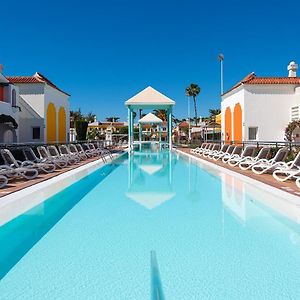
(221, 59)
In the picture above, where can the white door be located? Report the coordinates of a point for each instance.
(8, 137)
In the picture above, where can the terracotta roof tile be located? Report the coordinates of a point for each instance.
(253, 79)
(36, 78)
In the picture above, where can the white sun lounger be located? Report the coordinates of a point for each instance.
(248, 162)
(59, 162)
(44, 165)
(218, 152)
(3, 181)
(288, 170)
(235, 159)
(236, 151)
(266, 166)
(220, 155)
(215, 148)
(14, 169)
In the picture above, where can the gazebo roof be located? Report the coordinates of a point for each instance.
(150, 97)
(150, 118)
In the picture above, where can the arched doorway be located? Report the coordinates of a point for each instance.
(8, 137)
(237, 121)
(51, 123)
(228, 129)
(62, 125)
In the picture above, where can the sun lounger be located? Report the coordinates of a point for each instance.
(234, 160)
(216, 152)
(65, 152)
(288, 170)
(14, 168)
(220, 155)
(216, 147)
(85, 150)
(73, 149)
(52, 150)
(59, 162)
(266, 166)
(3, 181)
(203, 146)
(248, 162)
(206, 149)
(236, 151)
(44, 165)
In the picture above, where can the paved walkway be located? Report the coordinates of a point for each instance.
(19, 184)
(288, 186)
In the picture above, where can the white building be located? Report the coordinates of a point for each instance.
(9, 111)
(260, 108)
(45, 112)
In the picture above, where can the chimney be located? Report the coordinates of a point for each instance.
(1, 69)
(292, 68)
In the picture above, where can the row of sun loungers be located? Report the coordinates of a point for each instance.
(49, 159)
(250, 159)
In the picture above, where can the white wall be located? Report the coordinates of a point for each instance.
(7, 109)
(29, 118)
(268, 108)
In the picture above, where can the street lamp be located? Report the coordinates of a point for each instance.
(221, 59)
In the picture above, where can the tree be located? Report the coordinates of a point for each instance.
(213, 113)
(74, 117)
(161, 113)
(112, 119)
(193, 90)
(81, 128)
(90, 117)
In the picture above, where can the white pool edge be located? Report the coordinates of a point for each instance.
(20, 202)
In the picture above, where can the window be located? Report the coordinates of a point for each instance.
(13, 98)
(295, 113)
(252, 133)
(36, 133)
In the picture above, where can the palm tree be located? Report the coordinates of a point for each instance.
(75, 116)
(112, 119)
(161, 113)
(193, 90)
(90, 117)
(214, 113)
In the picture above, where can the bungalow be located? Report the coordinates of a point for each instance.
(44, 109)
(260, 108)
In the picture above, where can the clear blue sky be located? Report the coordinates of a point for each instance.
(103, 52)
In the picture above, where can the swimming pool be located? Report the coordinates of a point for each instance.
(154, 225)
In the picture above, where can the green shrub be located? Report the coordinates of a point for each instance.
(81, 129)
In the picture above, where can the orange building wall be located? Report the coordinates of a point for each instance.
(228, 127)
(51, 123)
(237, 121)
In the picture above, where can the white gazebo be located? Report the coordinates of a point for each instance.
(149, 98)
(150, 118)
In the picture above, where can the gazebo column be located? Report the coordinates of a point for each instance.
(170, 127)
(132, 126)
(140, 132)
(129, 127)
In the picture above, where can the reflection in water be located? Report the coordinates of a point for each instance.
(150, 177)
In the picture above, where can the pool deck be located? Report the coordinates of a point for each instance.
(287, 186)
(20, 184)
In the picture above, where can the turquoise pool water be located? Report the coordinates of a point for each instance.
(151, 226)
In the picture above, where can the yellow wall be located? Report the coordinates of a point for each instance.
(237, 121)
(62, 125)
(51, 123)
(228, 130)
(218, 119)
